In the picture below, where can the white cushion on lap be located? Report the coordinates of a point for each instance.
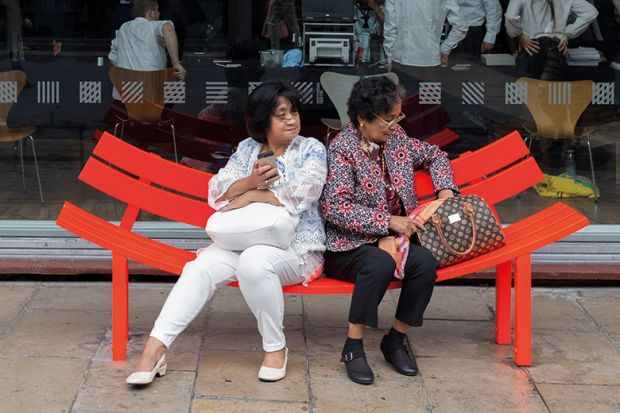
(258, 223)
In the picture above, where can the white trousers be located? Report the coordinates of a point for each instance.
(261, 271)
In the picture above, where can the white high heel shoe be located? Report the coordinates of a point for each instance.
(146, 377)
(272, 373)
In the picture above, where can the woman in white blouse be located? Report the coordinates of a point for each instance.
(296, 182)
(543, 32)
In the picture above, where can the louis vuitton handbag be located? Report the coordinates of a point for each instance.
(460, 228)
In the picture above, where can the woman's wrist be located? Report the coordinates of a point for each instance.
(446, 193)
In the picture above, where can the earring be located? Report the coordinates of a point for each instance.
(362, 125)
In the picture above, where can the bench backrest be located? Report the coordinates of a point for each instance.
(145, 181)
(495, 172)
(423, 119)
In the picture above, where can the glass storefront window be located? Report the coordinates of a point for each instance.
(62, 46)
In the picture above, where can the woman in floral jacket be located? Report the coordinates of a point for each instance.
(370, 192)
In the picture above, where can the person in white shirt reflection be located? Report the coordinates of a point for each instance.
(141, 44)
(483, 19)
(412, 31)
(543, 32)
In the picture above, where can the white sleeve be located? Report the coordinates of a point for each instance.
(584, 13)
(236, 168)
(390, 28)
(493, 13)
(458, 30)
(159, 28)
(513, 23)
(298, 194)
(113, 56)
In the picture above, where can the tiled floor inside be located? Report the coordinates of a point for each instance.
(55, 355)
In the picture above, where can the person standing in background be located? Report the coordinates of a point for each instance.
(484, 20)
(282, 10)
(14, 40)
(182, 13)
(141, 44)
(413, 28)
(543, 32)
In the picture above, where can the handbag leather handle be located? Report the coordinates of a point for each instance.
(468, 210)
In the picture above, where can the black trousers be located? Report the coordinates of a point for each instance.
(547, 64)
(372, 269)
(469, 47)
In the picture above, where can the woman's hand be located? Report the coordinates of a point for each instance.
(404, 225)
(563, 46)
(255, 195)
(239, 202)
(529, 45)
(262, 176)
(445, 193)
(444, 58)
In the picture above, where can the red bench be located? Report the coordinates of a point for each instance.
(145, 181)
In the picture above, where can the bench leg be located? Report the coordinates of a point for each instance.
(503, 284)
(523, 310)
(120, 303)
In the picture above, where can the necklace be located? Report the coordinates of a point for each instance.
(388, 181)
(369, 148)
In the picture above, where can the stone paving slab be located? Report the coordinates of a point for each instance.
(569, 398)
(55, 350)
(468, 385)
(58, 333)
(605, 312)
(248, 406)
(104, 390)
(574, 357)
(13, 299)
(345, 396)
(458, 303)
(40, 384)
(234, 374)
(80, 298)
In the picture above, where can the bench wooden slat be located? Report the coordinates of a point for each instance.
(507, 183)
(121, 241)
(140, 245)
(489, 159)
(442, 138)
(147, 197)
(566, 222)
(152, 167)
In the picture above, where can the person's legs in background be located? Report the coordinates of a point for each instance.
(274, 15)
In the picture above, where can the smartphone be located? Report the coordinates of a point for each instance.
(267, 158)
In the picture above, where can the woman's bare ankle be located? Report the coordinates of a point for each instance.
(274, 359)
(153, 351)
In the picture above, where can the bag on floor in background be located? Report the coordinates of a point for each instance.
(565, 186)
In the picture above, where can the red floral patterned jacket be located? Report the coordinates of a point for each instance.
(354, 202)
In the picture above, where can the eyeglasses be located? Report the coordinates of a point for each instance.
(393, 121)
(284, 116)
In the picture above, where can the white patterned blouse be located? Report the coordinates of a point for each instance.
(303, 171)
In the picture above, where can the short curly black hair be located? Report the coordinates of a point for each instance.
(261, 104)
(373, 95)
